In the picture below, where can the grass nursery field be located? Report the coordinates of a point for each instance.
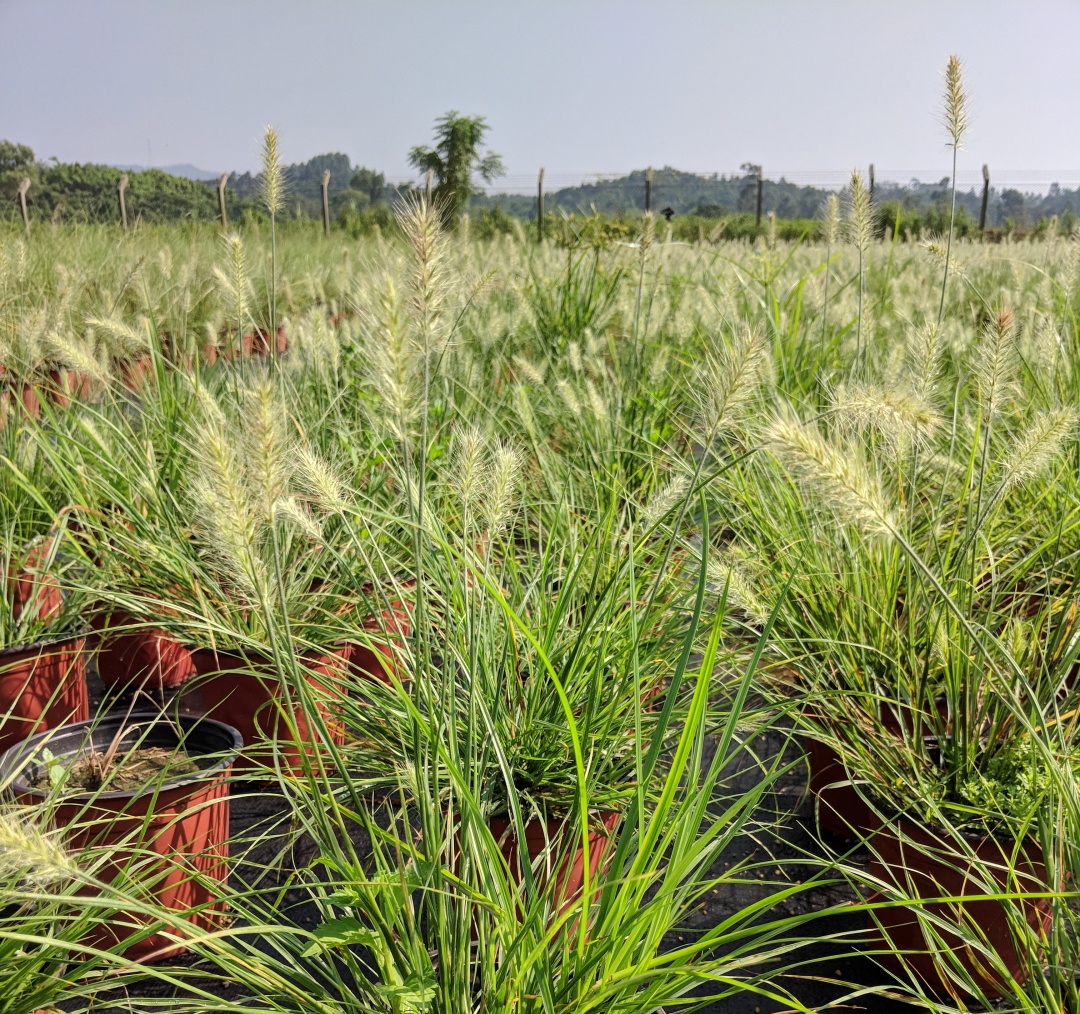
(499, 625)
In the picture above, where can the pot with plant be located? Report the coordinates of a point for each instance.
(895, 546)
(42, 652)
(151, 792)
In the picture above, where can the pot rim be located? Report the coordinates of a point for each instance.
(46, 642)
(19, 756)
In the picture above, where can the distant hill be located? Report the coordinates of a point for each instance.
(185, 170)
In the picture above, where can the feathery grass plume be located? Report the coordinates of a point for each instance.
(288, 509)
(528, 370)
(504, 476)
(208, 406)
(838, 478)
(955, 111)
(597, 403)
(566, 391)
(898, 417)
(860, 232)
(726, 381)
(726, 574)
(665, 500)
(648, 224)
(770, 231)
(523, 409)
(30, 853)
(573, 355)
(831, 218)
(272, 181)
(266, 441)
(997, 361)
(469, 474)
(319, 478)
(121, 339)
(78, 354)
(924, 351)
(225, 507)
(421, 222)
(233, 280)
(831, 229)
(392, 366)
(1037, 446)
(859, 213)
(955, 117)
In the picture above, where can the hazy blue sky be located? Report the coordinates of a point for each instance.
(577, 87)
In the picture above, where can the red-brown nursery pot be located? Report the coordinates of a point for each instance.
(840, 809)
(18, 400)
(134, 373)
(141, 657)
(181, 824)
(244, 690)
(923, 865)
(42, 686)
(29, 586)
(539, 835)
(380, 660)
(257, 342)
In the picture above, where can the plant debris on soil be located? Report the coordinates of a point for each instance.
(127, 772)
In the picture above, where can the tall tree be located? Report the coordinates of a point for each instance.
(456, 159)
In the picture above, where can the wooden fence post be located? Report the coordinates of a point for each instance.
(120, 188)
(23, 187)
(648, 190)
(871, 182)
(222, 180)
(540, 205)
(757, 213)
(986, 197)
(325, 202)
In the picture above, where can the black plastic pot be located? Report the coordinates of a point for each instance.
(183, 820)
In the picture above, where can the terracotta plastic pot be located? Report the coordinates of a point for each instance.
(925, 865)
(380, 660)
(42, 686)
(18, 401)
(244, 690)
(29, 587)
(257, 342)
(183, 821)
(840, 809)
(570, 874)
(143, 657)
(134, 373)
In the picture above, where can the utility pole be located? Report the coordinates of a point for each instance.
(986, 197)
(540, 206)
(23, 187)
(757, 213)
(325, 202)
(871, 182)
(222, 180)
(427, 186)
(120, 188)
(648, 190)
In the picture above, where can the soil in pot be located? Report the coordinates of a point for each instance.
(244, 690)
(147, 657)
(42, 686)
(922, 864)
(180, 817)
